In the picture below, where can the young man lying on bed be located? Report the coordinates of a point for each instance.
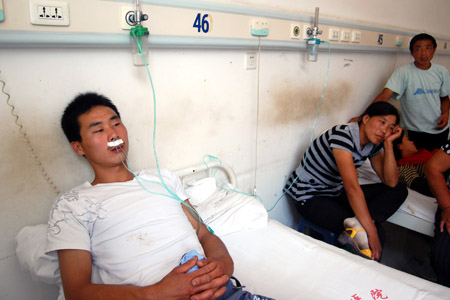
(122, 235)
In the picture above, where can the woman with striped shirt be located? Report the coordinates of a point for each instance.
(325, 186)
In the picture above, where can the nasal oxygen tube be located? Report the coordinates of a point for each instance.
(135, 33)
(117, 144)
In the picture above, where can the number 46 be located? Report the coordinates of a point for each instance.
(201, 23)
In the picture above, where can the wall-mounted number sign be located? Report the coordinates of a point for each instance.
(203, 23)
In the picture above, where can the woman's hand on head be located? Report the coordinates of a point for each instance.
(393, 134)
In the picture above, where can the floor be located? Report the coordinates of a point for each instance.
(408, 251)
(404, 250)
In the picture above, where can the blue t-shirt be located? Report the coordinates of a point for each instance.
(419, 92)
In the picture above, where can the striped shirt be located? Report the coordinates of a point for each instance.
(318, 174)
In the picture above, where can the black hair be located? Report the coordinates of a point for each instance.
(395, 144)
(381, 108)
(421, 37)
(81, 104)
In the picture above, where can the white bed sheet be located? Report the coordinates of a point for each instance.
(270, 259)
(416, 213)
(282, 263)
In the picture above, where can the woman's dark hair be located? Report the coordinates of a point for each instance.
(421, 37)
(80, 105)
(381, 108)
(395, 144)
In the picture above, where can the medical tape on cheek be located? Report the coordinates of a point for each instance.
(115, 143)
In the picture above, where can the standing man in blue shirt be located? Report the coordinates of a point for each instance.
(423, 89)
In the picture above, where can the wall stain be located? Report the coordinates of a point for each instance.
(291, 103)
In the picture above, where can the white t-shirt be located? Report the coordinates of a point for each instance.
(419, 92)
(135, 234)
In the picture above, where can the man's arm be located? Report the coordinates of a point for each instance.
(443, 119)
(385, 95)
(76, 270)
(218, 262)
(434, 169)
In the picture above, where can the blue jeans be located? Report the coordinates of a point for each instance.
(234, 292)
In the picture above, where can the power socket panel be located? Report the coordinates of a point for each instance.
(48, 12)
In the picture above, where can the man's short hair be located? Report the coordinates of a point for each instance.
(78, 106)
(421, 37)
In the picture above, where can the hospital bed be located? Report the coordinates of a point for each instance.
(269, 258)
(416, 213)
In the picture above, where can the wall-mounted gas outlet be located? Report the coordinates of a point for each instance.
(52, 13)
(127, 12)
(296, 32)
(305, 32)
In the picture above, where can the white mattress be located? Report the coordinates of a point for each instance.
(270, 259)
(282, 263)
(416, 213)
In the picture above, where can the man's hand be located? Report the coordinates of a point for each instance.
(445, 220)
(442, 121)
(207, 283)
(210, 279)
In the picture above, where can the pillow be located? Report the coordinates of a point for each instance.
(228, 211)
(200, 190)
(30, 250)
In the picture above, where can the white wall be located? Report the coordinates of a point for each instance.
(207, 103)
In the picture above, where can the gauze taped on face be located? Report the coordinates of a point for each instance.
(115, 143)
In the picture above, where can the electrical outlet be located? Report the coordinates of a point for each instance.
(296, 31)
(345, 35)
(52, 13)
(334, 34)
(250, 60)
(356, 36)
